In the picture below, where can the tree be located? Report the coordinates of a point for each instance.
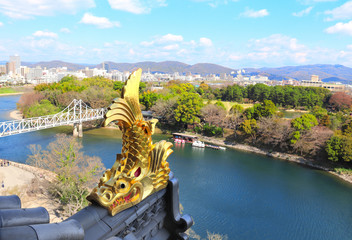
(164, 110)
(118, 85)
(188, 108)
(340, 101)
(76, 172)
(249, 127)
(274, 133)
(301, 125)
(266, 109)
(220, 104)
(148, 99)
(213, 114)
(339, 148)
(43, 108)
(304, 122)
(319, 112)
(236, 109)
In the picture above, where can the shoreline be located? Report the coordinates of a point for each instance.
(279, 155)
(16, 115)
(9, 94)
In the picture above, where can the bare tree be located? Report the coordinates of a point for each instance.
(214, 115)
(313, 142)
(164, 110)
(76, 172)
(274, 132)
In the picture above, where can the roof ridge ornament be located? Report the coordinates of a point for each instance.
(141, 169)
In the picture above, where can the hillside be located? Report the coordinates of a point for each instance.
(163, 67)
(327, 72)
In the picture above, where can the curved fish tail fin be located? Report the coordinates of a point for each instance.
(126, 109)
(159, 154)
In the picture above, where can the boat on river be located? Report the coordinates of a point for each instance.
(198, 143)
(184, 138)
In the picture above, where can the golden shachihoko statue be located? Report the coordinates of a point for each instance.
(141, 169)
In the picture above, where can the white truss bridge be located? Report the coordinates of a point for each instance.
(76, 112)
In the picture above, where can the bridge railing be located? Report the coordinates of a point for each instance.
(37, 123)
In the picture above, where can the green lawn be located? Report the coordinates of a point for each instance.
(228, 105)
(7, 90)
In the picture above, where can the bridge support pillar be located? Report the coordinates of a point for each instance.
(77, 130)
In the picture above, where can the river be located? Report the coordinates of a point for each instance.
(242, 195)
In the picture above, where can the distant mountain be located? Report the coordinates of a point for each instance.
(56, 64)
(326, 72)
(162, 67)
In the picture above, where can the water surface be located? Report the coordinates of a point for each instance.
(242, 195)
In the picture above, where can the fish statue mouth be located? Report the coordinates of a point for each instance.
(141, 169)
(116, 202)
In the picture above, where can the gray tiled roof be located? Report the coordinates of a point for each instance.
(157, 217)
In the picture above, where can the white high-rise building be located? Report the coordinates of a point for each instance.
(17, 60)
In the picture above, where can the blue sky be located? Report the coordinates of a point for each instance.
(233, 33)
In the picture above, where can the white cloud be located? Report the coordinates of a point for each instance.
(205, 42)
(65, 30)
(136, 6)
(342, 12)
(170, 38)
(171, 47)
(163, 40)
(215, 3)
(255, 14)
(344, 28)
(100, 22)
(45, 34)
(27, 9)
(303, 12)
(1, 24)
(349, 47)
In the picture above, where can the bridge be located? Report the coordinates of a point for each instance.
(75, 113)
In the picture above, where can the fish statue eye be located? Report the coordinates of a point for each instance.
(122, 185)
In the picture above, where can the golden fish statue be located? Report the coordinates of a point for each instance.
(141, 169)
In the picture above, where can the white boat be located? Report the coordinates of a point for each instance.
(199, 144)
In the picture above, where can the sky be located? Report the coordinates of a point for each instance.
(232, 33)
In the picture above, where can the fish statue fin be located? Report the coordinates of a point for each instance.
(126, 109)
(159, 154)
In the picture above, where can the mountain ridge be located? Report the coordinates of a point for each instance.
(327, 72)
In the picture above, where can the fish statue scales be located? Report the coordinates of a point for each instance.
(141, 169)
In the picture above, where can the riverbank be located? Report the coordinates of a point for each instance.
(278, 155)
(15, 114)
(30, 184)
(10, 94)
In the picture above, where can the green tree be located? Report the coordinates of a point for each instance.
(43, 108)
(339, 148)
(236, 108)
(266, 109)
(304, 122)
(148, 99)
(220, 104)
(118, 85)
(249, 127)
(319, 112)
(188, 108)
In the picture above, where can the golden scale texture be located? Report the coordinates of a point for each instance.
(141, 169)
